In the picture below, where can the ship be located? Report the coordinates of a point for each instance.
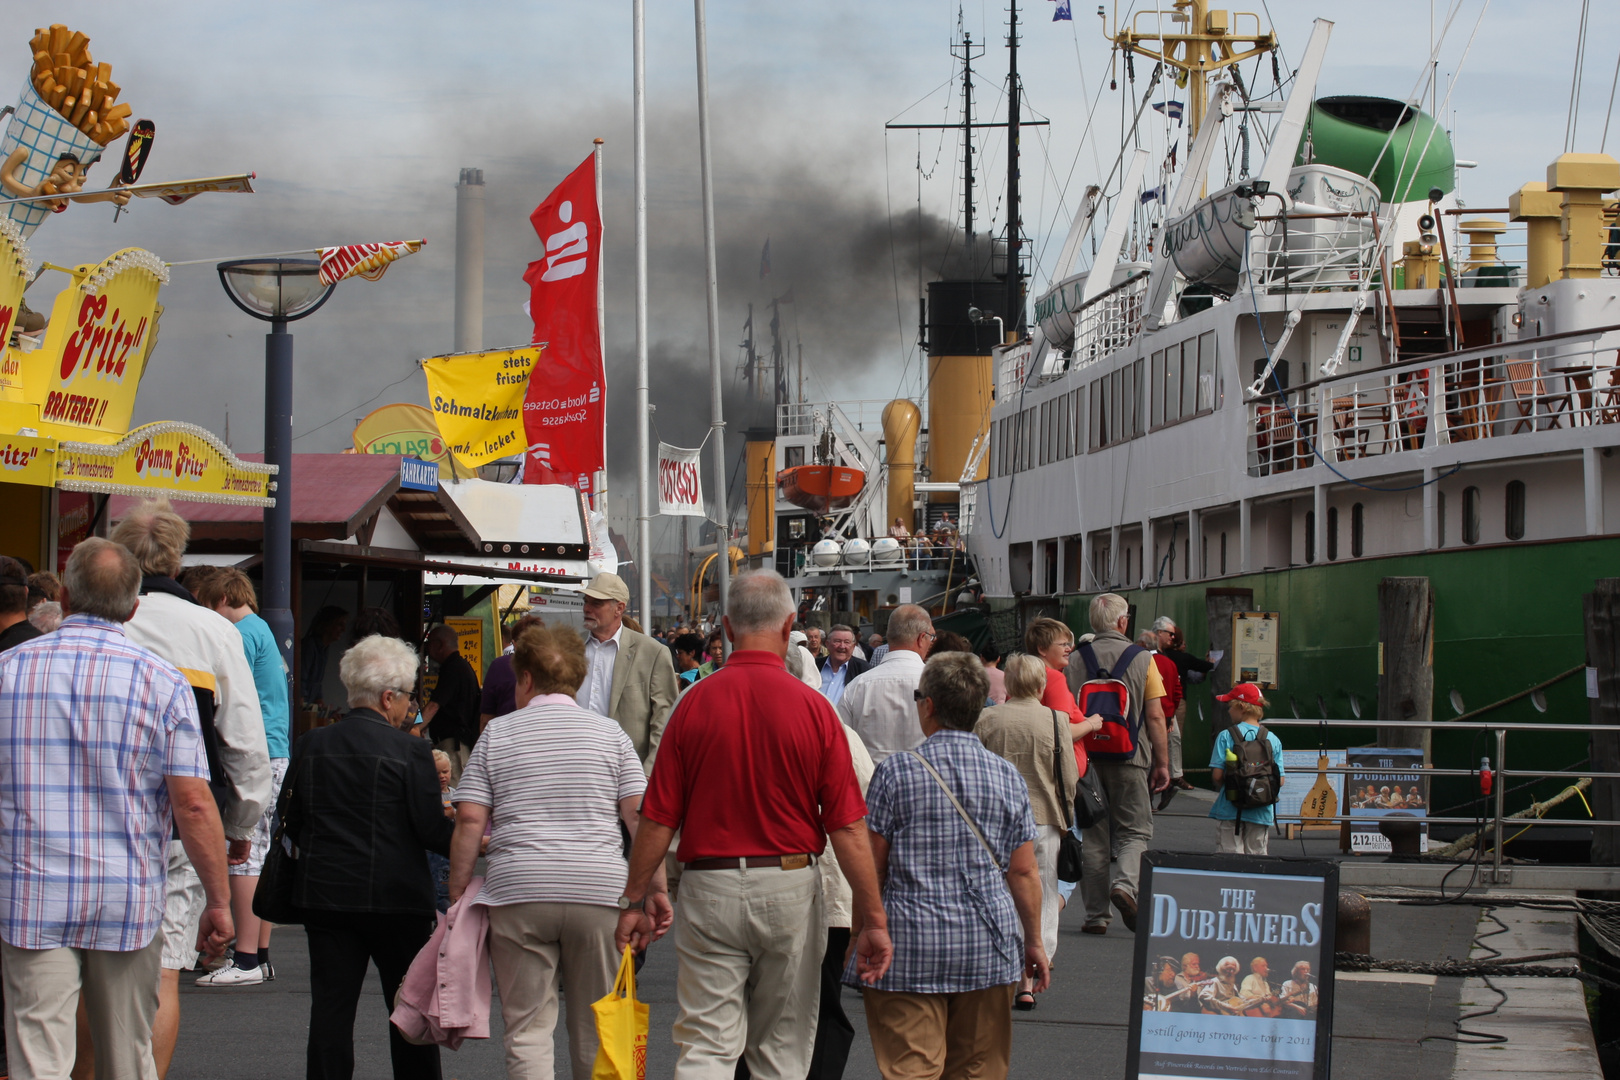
(1288, 393)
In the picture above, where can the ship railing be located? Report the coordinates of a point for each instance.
(811, 417)
(1317, 252)
(913, 555)
(1106, 324)
(1506, 390)
(1492, 816)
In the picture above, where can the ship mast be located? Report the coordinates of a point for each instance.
(1015, 239)
(967, 137)
(1210, 42)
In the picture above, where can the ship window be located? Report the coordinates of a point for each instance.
(1043, 434)
(1440, 515)
(1030, 435)
(1156, 388)
(792, 456)
(1310, 536)
(1223, 554)
(1133, 390)
(1203, 556)
(1094, 437)
(1358, 531)
(1515, 510)
(1333, 533)
(1054, 429)
(1470, 515)
(1116, 386)
(1186, 558)
(1077, 415)
(1206, 371)
(1189, 377)
(1172, 384)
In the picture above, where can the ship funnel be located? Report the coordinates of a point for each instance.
(901, 421)
(470, 261)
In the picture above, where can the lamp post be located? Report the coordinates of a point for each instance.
(277, 291)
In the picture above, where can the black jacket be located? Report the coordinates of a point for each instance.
(361, 802)
(856, 665)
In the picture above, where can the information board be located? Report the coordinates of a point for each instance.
(1254, 648)
(1233, 974)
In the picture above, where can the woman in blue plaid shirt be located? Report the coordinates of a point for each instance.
(963, 899)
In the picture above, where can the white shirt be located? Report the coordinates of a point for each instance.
(597, 689)
(879, 705)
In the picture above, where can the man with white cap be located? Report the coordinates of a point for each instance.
(629, 676)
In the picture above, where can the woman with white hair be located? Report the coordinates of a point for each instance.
(1035, 739)
(361, 802)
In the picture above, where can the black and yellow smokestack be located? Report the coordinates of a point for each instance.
(960, 376)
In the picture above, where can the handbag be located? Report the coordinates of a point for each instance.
(273, 897)
(1068, 860)
(971, 824)
(621, 1028)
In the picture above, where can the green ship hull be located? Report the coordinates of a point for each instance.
(1506, 617)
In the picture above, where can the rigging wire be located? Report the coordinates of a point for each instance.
(1609, 115)
(1572, 121)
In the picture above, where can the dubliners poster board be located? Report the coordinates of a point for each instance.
(1385, 782)
(1233, 973)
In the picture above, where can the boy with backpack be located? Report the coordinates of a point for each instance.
(1246, 766)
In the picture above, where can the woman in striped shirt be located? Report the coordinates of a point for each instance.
(556, 781)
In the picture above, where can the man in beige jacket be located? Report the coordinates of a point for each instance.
(629, 676)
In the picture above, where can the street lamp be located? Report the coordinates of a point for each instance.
(277, 291)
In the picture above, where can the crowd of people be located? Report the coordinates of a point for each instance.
(797, 810)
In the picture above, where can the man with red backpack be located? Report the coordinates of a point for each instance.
(1117, 681)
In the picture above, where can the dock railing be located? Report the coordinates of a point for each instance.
(1497, 820)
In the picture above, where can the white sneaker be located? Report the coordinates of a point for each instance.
(231, 975)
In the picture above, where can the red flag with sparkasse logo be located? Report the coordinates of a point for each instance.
(564, 416)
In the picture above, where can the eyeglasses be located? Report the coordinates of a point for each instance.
(931, 635)
(407, 691)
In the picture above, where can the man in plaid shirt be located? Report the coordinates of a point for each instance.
(100, 755)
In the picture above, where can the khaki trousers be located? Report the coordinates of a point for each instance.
(749, 945)
(964, 1036)
(1048, 839)
(1130, 812)
(1175, 748)
(536, 947)
(1241, 838)
(120, 992)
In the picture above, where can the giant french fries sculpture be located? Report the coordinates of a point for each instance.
(69, 110)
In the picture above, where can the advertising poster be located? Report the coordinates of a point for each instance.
(1383, 783)
(1233, 974)
(1322, 798)
(680, 488)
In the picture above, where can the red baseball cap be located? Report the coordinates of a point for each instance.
(1245, 692)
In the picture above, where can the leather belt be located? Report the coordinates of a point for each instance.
(756, 862)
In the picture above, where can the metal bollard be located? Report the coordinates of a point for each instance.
(1354, 932)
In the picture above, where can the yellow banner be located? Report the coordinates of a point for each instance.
(477, 400)
(102, 330)
(27, 459)
(169, 458)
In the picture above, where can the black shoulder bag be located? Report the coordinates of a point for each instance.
(273, 898)
(1090, 805)
(1068, 860)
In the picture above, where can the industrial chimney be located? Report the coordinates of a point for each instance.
(470, 261)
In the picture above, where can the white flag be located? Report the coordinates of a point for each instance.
(680, 493)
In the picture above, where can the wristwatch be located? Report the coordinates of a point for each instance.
(627, 904)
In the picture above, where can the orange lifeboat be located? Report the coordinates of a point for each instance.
(820, 487)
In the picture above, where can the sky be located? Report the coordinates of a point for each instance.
(357, 117)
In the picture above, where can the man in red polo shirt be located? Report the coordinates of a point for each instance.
(754, 770)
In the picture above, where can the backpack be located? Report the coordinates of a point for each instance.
(1252, 780)
(1106, 694)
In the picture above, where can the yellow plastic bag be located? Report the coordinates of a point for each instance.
(621, 1028)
